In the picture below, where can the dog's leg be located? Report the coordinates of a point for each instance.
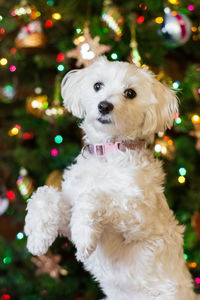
(42, 220)
(86, 227)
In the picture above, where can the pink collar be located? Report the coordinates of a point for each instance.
(102, 149)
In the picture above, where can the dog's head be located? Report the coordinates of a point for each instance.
(117, 100)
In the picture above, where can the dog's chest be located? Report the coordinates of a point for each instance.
(118, 174)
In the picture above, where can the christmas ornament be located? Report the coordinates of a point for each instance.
(55, 179)
(25, 184)
(113, 18)
(196, 223)
(175, 28)
(164, 146)
(25, 12)
(87, 49)
(196, 131)
(56, 109)
(4, 203)
(134, 54)
(31, 36)
(49, 264)
(36, 105)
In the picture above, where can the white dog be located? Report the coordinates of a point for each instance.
(112, 204)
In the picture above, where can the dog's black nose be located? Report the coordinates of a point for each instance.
(105, 107)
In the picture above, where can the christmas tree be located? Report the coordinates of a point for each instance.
(42, 40)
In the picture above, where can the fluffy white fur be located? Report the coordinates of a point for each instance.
(113, 208)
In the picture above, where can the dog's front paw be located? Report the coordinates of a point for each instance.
(36, 245)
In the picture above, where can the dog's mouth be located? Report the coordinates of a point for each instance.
(104, 120)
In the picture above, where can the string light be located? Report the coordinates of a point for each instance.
(60, 68)
(20, 235)
(185, 256)
(181, 179)
(115, 26)
(198, 90)
(48, 24)
(54, 152)
(3, 61)
(140, 20)
(15, 130)
(60, 57)
(158, 148)
(1, 18)
(38, 90)
(7, 260)
(58, 139)
(197, 280)
(182, 171)
(192, 265)
(195, 119)
(190, 7)
(159, 20)
(10, 195)
(78, 30)
(13, 68)
(114, 56)
(176, 85)
(178, 121)
(2, 31)
(56, 16)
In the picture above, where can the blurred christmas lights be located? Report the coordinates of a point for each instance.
(60, 57)
(182, 171)
(54, 152)
(20, 236)
(159, 20)
(50, 2)
(195, 119)
(3, 61)
(10, 195)
(13, 68)
(190, 7)
(58, 139)
(5, 297)
(60, 68)
(181, 179)
(48, 24)
(176, 85)
(56, 16)
(114, 56)
(175, 2)
(140, 20)
(1, 18)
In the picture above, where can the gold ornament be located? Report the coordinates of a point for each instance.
(49, 264)
(87, 49)
(56, 109)
(25, 184)
(55, 179)
(36, 105)
(31, 37)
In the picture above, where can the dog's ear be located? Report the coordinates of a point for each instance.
(166, 106)
(71, 92)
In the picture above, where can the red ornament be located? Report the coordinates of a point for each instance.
(60, 57)
(11, 195)
(48, 24)
(140, 20)
(5, 297)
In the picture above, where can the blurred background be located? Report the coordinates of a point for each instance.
(40, 40)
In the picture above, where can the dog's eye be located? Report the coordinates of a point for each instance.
(130, 94)
(97, 86)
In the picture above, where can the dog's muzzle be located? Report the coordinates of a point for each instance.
(105, 107)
